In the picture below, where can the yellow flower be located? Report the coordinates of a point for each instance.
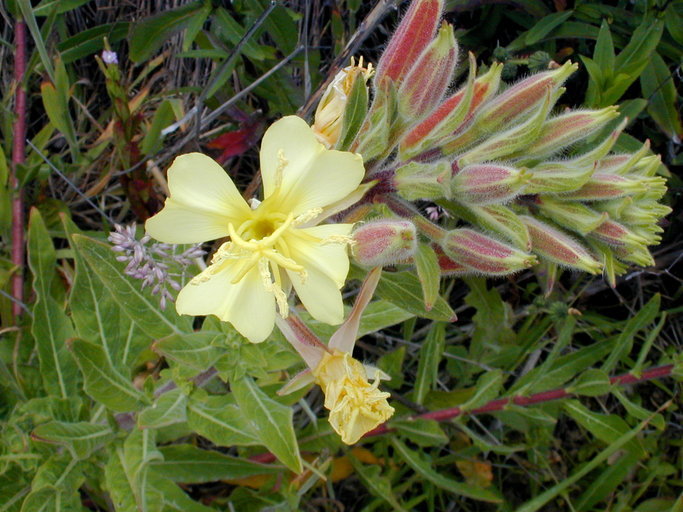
(274, 245)
(329, 115)
(356, 406)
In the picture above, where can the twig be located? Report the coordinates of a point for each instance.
(18, 158)
(500, 404)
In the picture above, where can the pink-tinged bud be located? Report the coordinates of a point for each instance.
(495, 218)
(558, 177)
(556, 246)
(606, 186)
(384, 242)
(644, 214)
(601, 150)
(447, 266)
(488, 183)
(569, 128)
(424, 180)
(647, 166)
(571, 215)
(428, 80)
(618, 235)
(413, 35)
(484, 254)
(453, 113)
(639, 255)
(622, 164)
(522, 99)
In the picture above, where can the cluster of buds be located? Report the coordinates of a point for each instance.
(156, 265)
(534, 186)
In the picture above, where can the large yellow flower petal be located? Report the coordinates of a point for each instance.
(247, 305)
(203, 201)
(327, 266)
(300, 173)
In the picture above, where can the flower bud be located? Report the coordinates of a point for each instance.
(639, 255)
(496, 218)
(484, 254)
(447, 266)
(557, 177)
(453, 113)
(558, 247)
(622, 164)
(616, 234)
(329, 115)
(488, 183)
(428, 80)
(424, 180)
(413, 35)
(567, 129)
(571, 215)
(606, 186)
(373, 137)
(384, 242)
(522, 99)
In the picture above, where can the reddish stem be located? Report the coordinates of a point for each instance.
(500, 404)
(18, 158)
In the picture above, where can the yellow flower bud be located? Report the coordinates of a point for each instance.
(356, 406)
(329, 115)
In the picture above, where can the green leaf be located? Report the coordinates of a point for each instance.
(391, 363)
(188, 464)
(38, 41)
(97, 317)
(81, 439)
(488, 387)
(50, 325)
(379, 315)
(592, 382)
(543, 26)
(425, 470)
(168, 409)
(269, 420)
(429, 273)
(231, 30)
(13, 489)
(149, 34)
(606, 482)
(658, 88)
(379, 486)
(195, 350)
(431, 353)
(354, 113)
(137, 304)
(220, 420)
(639, 412)
(421, 432)
(55, 486)
(606, 427)
(642, 319)
(60, 6)
(404, 290)
(603, 55)
(90, 41)
(492, 324)
(102, 382)
(153, 139)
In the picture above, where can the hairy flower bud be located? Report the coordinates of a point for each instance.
(413, 35)
(616, 234)
(488, 183)
(558, 247)
(329, 115)
(571, 215)
(484, 254)
(424, 180)
(384, 242)
(606, 186)
(427, 82)
(566, 129)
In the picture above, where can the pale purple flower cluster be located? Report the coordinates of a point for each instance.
(152, 263)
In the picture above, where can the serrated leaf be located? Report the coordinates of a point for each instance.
(431, 353)
(50, 326)
(421, 432)
(102, 382)
(188, 464)
(136, 303)
(81, 439)
(168, 409)
(404, 290)
(270, 421)
(219, 419)
(425, 470)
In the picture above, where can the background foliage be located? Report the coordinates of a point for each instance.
(108, 402)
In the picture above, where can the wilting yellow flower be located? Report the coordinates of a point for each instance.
(275, 244)
(329, 115)
(356, 406)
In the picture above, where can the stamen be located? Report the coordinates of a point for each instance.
(307, 216)
(339, 239)
(274, 288)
